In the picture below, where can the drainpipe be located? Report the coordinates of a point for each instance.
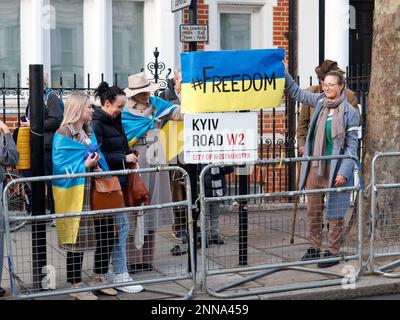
(291, 111)
(321, 31)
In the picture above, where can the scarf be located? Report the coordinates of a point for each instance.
(337, 130)
(216, 182)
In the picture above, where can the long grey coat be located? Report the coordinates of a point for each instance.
(9, 156)
(337, 202)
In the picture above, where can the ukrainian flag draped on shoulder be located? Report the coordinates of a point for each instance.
(218, 81)
(69, 157)
(135, 127)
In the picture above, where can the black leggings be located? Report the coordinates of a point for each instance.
(74, 267)
(104, 243)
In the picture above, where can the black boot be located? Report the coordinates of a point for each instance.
(2, 292)
(147, 267)
(328, 254)
(311, 254)
(137, 267)
(215, 239)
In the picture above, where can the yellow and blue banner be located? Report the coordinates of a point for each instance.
(69, 157)
(135, 127)
(217, 81)
(172, 140)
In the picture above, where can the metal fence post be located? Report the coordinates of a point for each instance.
(193, 169)
(290, 144)
(37, 159)
(243, 219)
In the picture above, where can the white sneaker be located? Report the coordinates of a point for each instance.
(124, 277)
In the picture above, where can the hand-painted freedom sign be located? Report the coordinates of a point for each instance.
(215, 81)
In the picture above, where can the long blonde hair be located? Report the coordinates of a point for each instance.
(74, 107)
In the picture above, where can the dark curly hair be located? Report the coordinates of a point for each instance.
(104, 92)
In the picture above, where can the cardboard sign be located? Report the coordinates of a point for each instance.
(217, 81)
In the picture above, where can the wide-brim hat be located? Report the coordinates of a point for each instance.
(325, 67)
(138, 83)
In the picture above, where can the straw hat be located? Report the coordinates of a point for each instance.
(138, 83)
(325, 67)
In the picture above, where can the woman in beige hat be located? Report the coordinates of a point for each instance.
(143, 119)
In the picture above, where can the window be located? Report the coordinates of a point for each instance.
(67, 43)
(10, 61)
(128, 39)
(235, 31)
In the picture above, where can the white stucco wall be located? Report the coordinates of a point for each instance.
(337, 31)
(308, 40)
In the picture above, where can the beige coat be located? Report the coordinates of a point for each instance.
(158, 184)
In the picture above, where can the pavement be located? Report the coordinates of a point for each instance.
(268, 244)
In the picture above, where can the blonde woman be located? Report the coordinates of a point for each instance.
(75, 150)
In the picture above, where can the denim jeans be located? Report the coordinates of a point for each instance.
(119, 252)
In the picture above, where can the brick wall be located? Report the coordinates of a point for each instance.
(281, 25)
(11, 122)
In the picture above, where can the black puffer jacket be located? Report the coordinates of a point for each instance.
(112, 140)
(53, 116)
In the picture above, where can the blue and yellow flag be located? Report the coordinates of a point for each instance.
(135, 127)
(217, 81)
(69, 157)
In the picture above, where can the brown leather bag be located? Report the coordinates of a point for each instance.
(107, 194)
(137, 193)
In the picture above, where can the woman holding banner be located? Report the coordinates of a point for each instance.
(333, 131)
(142, 120)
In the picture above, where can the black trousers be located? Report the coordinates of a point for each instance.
(105, 239)
(48, 171)
(74, 267)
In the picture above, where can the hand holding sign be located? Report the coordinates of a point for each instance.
(286, 64)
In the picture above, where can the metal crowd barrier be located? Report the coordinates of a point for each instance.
(385, 221)
(255, 240)
(21, 249)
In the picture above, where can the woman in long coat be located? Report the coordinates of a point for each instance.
(143, 119)
(333, 131)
